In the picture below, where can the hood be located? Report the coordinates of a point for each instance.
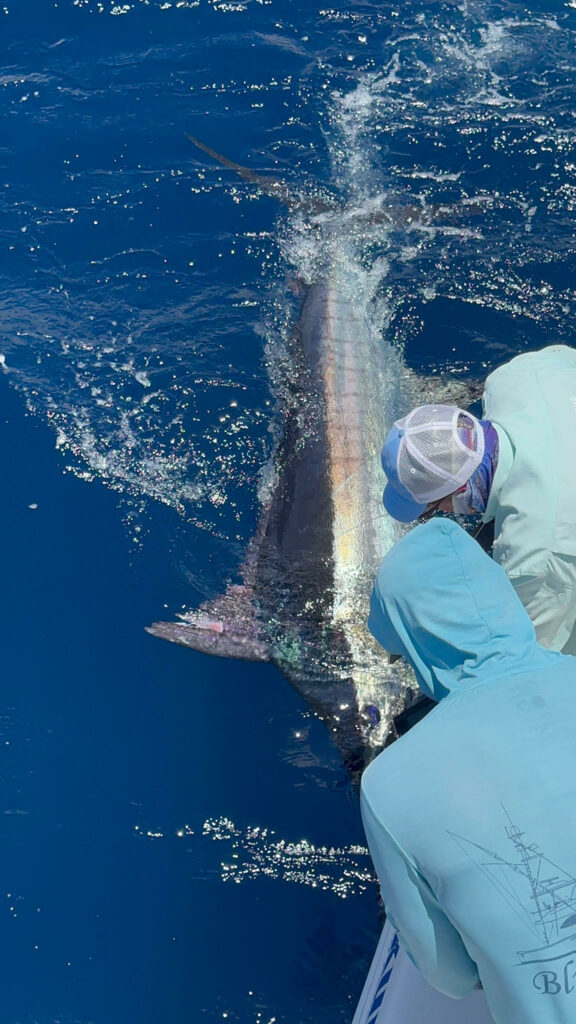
(451, 611)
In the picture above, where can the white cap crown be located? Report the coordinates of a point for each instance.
(433, 458)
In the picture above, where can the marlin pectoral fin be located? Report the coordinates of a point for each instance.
(225, 644)
(226, 627)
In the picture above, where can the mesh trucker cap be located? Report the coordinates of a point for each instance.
(427, 455)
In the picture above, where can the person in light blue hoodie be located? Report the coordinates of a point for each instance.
(471, 816)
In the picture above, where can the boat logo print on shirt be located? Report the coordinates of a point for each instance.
(542, 895)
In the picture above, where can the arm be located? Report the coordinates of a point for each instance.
(425, 932)
(550, 601)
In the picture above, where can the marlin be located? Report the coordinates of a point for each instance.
(322, 532)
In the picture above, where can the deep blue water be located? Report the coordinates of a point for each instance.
(151, 796)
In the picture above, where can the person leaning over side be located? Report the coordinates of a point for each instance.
(470, 817)
(515, 467)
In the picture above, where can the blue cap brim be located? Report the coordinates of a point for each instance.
(405, 510)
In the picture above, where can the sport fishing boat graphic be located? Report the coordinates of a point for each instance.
(538, 891)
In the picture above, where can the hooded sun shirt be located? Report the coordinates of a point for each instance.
(470, 816)
(531, 402)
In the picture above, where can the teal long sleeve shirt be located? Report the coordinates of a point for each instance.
(531, 402)
(470, 817)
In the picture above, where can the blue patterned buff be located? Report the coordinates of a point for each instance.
(473, 499)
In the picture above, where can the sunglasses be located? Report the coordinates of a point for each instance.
(430, 511)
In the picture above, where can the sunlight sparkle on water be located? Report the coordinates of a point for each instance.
(254, 852)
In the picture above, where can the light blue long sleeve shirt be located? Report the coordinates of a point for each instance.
(471, 817)
(531, 401)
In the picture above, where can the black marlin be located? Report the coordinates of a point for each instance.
(323, 531)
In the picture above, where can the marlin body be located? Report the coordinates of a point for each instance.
(309, 570)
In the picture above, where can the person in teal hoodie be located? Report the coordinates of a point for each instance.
(470, 817)
(514, 468)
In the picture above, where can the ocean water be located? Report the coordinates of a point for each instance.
(180, 841)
